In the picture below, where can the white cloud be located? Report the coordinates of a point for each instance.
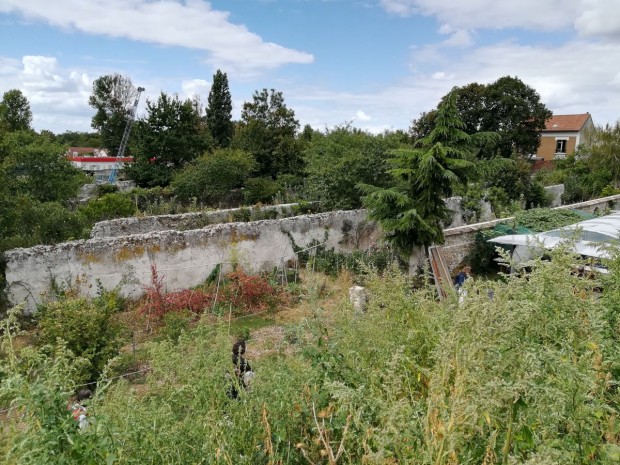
(599, 18)
(571, 78)
(193, 87)
(547, 15)
(460, 38)
(361, 116)
(190, 23)
(58, 97)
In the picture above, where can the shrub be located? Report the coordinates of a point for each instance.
(211, 178)
(85, 326)
(260, 190)
(107, 207)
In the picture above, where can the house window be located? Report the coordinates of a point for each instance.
(560, 146)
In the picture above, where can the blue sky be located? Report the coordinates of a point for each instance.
(374, 63)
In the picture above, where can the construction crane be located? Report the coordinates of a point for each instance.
(121, 149)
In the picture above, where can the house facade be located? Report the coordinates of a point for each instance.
(562, 135)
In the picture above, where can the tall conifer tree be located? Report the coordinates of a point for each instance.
(219, 111)
(412, 213)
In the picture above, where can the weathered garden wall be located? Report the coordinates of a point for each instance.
(187, 221)
(185, 258)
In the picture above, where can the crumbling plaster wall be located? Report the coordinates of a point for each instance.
(182, 222)
(185, 258)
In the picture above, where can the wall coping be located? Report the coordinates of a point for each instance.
(489, 224)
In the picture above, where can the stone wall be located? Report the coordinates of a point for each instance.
(185, 258)
(186, 221)
(555, 193)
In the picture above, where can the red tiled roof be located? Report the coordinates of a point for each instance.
(560, 123)
(83, 149)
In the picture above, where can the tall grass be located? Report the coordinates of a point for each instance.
(527, 375)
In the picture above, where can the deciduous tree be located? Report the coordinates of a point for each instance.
(167, 139)
(15, 114)
(267, 130)
(603, 151)
(507, 106)
(337, 161)
(112, 98)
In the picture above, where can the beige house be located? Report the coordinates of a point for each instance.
(563, 134)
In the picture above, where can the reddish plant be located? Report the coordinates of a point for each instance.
(246, 294)
(157, 303)
(250, 293)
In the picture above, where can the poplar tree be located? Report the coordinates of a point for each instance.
(219, 111)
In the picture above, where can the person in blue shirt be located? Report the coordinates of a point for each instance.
(463, 276)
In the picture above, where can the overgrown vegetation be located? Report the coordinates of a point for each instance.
(527, 375)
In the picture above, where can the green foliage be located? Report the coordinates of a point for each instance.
(219, 111)
(267, 130)
(175, 324)
(107, 207)
(260, 190)
(507, 182)
(211, 178)
(545, 219)
(25, 222)
(15, 114)
(528, 376)
(603, 151)
(35, 165)
(507, 106)
(344, 157)
(112, 98)
(359, 262)
(483, 253)
(79, 139)
(169, 137)
(86, 329)
(103, 189)
(413, 212)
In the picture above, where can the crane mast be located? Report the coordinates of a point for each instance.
(121, 149)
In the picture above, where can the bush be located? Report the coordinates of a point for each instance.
(211, 178)
(85, 326)
(103, 189)
(260, 190)
(107, 207)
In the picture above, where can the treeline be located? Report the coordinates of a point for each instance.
(476, 144)
(190, 157)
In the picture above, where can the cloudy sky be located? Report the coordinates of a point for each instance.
(375, 63)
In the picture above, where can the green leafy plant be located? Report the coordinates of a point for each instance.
(86, 328)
